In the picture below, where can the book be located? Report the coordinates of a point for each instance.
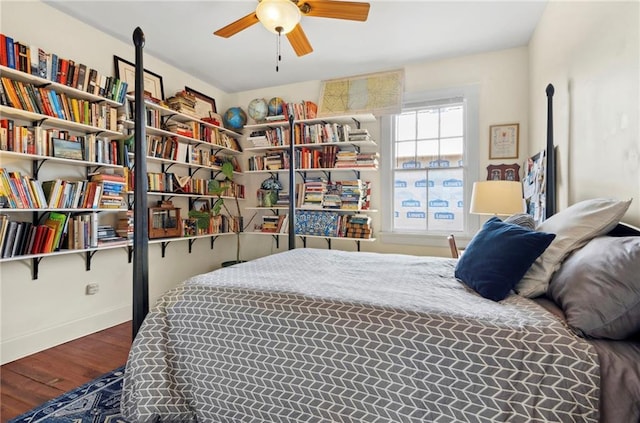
(11, 59)
(10, 237)
(3, 50)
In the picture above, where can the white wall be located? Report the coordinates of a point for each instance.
(37, 314)
(589, 51)
(499, 75)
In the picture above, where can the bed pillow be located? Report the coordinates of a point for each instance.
(497, 257)
(598, 288)
(522, 219)
(574, 227)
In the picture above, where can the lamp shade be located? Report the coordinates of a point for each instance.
(497, 198)
(278, 16)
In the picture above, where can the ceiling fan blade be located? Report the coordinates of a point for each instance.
(237, 26)
(351, 10)
(298, 40)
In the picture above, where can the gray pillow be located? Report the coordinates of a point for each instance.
(522, 219)
(598, 288)
(574, 227)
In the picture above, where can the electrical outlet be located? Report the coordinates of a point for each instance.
(92, 288)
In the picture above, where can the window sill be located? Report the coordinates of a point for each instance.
(431, 240)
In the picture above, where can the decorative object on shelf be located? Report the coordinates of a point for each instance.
(258, 109)
(234, 118)
(276, 106)
(503, 141)
(269, 190)
(205, 105)
(503, 172)
(164, 220)
(67, 149)
(125, 71)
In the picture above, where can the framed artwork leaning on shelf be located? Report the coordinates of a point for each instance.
(205, 105)
(126, 71)
(67, 149)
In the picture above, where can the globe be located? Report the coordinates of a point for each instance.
(275, 106)
(234, 118)
(258, 109)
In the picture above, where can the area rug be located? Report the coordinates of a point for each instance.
(95, 402)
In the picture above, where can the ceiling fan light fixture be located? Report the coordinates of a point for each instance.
(278, 16)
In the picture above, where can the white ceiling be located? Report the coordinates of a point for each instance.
(397, 33)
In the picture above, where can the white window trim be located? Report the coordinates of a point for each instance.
(470, 93)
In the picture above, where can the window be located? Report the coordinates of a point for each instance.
(431, 165)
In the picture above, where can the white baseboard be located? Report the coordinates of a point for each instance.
(13, 349)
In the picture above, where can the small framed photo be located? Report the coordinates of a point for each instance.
(504, 141)
(67, 149)
(205, 105)
(126, 71)
(503, 172)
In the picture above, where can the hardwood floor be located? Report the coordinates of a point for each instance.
(35, 379)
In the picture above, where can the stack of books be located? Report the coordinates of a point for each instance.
(124, 228)
(183, 102)
(359, 134)
(311, 193)
(112, 188)
(358, 226)
(352, 194)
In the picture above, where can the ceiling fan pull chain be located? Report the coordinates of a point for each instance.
(278, 55)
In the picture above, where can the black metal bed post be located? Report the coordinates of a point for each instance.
(141, 227)
(550, 187)
(292, 187)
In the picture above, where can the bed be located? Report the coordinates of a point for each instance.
(527, 326)
(355, 336)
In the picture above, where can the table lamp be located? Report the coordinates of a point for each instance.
(495, 198)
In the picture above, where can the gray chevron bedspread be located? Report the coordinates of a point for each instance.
(331, 336)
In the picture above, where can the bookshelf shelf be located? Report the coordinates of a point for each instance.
(39, 130)
(43, 82)
(51, 121)
(36, 157)
(192, 154)
(316, 142)
(151, 130)
(63, 210)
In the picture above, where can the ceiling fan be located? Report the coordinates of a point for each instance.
(283, 17)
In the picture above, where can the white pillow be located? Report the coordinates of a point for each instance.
(574, 227)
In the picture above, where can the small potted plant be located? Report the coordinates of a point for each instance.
(270, 188)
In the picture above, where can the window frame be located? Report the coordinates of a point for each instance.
(470, 98)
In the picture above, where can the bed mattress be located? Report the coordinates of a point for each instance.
(331, 336)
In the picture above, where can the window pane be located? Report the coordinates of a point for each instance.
(428, 123)
(410, 201)
(427, 152)
(406, 155)
(452, 147)
(406, 128)
(446, 200)
(451, 122)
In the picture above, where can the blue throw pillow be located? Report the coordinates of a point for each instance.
(498, 256)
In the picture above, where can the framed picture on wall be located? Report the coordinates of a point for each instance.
(503, 172)
(504, 141)
(126, 71)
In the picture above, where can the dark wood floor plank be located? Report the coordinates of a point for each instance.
(30, 381)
